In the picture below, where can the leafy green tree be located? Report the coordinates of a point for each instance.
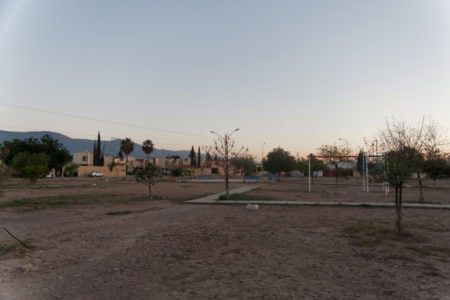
(278, 161)
(69, 169)
(435, 165)
(99, 158)
(147, 175)
(31, 165)
(199, 158)
(147, 147)
(398, 169)
(302, 164)
(335, 154)
(245, 163)
(58, 155)
(126, 147)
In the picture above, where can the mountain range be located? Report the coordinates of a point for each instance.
(80, 145)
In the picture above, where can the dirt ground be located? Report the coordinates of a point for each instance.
(163, 249)
(346, 191)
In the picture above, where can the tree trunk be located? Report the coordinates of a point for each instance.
(421, 198)
(150, 190)
(399, 209)
(226, 168)
(337, 170)
(126, 165)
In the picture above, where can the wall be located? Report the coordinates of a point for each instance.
(117, 171)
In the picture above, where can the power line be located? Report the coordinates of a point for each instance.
(101, 121)
(93, 137)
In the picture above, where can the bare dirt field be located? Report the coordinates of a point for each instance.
(346, 191)
(123, 247)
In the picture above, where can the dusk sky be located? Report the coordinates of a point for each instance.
(295, 74)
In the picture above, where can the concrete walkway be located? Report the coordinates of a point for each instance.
(214, 199)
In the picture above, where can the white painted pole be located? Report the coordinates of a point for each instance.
(367, 175)
(309, 174)
(363, 174)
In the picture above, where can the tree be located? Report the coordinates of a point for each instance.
(69, 169)
(31, 165)
(58, 155)
(302, 164)
(244, 163)
(398, 169)
(99, 159)
(425, 137)
(147, 175)
(278, 161)
(199, 158)
(224, 146)
(435, 165)
(335, 154)
(147, 147)
(192, 156)
(126, 146)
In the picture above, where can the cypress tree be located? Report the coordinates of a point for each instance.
(199, 159)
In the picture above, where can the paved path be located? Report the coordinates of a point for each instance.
(214, 199)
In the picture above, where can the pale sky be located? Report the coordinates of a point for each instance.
(295, 74)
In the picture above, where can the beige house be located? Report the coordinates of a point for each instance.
(85, 158)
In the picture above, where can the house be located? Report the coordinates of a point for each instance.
(85, 158)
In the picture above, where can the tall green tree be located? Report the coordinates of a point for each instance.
(278, 161)
(99, 158)
(147, 147)
(126, 146)
(192, 157)
(199, 158)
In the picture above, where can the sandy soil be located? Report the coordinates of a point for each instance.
(325, 190)
(166, 250)
(114, 189)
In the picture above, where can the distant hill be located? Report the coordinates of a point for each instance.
(79, 145)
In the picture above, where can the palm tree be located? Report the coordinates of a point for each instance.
(147, 147)
(126, 146)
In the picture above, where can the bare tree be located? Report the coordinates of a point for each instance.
(224, 146)
(425, 137)
(335, 154)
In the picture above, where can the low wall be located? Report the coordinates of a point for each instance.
(117, 171)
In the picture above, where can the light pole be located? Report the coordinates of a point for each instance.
(225, 139)
(262, 156)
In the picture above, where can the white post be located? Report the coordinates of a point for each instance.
(363, 174)
(309, 174)
(367, 176)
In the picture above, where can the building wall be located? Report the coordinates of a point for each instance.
(117, 171)
(85, 158)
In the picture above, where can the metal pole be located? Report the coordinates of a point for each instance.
(309, 174)
(367, 176)
(363, 174)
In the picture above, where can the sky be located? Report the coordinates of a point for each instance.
(295, 74)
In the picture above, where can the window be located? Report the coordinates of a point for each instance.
(84, 158)
(215, 171)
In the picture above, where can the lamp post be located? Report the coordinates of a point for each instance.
(225, 141)
(262, 157)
